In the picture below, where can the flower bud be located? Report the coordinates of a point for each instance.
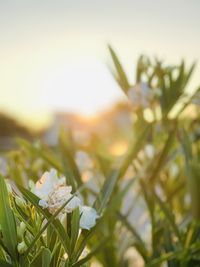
(20, 202)
(22, 247)
(20, 230)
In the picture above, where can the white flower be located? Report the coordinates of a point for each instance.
(83, 161)
(61, 195)
(88, 217)
(53, 193)
(140, 95)
(149, 151)
(43, 203)
(47, 183)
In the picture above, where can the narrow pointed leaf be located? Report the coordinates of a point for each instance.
(121, 77)
(7, 221)
(46, 257)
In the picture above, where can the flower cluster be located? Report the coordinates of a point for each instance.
(141, 96)
(53, 193)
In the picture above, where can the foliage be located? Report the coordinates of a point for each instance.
(147, 198)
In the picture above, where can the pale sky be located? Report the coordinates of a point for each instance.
(53, 54)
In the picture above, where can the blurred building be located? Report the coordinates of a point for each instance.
(115, 119)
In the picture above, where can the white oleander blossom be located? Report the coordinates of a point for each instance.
(47, 183)
(88, 217)
(53, 193)
(83, 161)
(140, 95)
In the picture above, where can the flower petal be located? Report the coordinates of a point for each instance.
(43, 204)
(88, 217)
(46, 184)
(73, 203)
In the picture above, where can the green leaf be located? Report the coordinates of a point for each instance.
(140, 243)
(193, 174)
(121, 76)
(142, 67)
(163, 156)
(46, 257)
(189, 74)
(70, 168)
(7, 221)
(187, 102)
(5, 264)
(169, 216)
(49, 157)
(43, 152)
(156, 262)
(106, 192)
(37, 258)
(115, 175)
(94, 251)
(186, 144)
(194, 188)
(74, 228)
(111, 208)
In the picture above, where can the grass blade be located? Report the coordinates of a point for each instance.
(121, 78)
(74, 228)
(7, 221)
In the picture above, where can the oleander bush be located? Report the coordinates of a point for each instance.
(75, 204)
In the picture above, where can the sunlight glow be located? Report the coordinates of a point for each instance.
(119, 148)
(57, 61)
(84, 86)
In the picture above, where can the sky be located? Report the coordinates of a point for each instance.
(54, 56)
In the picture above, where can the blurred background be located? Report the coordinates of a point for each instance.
(104, 125)
(54, 57)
